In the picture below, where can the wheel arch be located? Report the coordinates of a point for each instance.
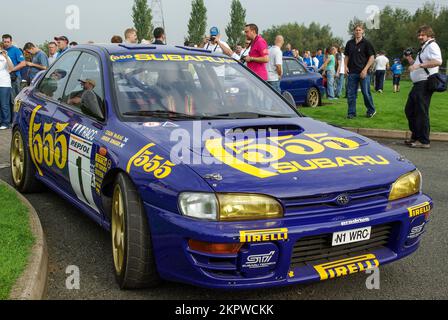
(107, 189)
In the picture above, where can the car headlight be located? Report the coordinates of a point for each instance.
(235, 207)
(406, 186)
(229, 206)
(199, 205)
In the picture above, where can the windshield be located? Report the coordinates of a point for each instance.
(192, 86)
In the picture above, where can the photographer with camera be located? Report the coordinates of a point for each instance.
(6, 67)
(214, 42)
(422, 69)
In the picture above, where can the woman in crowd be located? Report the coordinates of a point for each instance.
(329, 69)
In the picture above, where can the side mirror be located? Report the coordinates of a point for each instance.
(91, 105)
(288, 97)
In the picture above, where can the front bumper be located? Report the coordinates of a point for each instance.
(270, 259)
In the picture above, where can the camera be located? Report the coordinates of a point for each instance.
(212, 39)
(408, 52)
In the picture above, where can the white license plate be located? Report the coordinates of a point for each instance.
(351, 236)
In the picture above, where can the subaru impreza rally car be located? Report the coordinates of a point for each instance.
(205, 175)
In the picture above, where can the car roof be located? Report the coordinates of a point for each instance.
(124, 49)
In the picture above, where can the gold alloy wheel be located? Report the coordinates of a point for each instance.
(17, 159)
(313, 98)
(118, 228)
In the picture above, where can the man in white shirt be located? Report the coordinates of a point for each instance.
(275, 64)
(52, 52)
(340, 74)
(381, 65)
(427, 63)
(6, 67)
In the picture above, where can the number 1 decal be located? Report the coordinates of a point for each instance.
(81, 176)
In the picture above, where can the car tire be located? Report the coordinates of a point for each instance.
(132, 252)
(313, 98)
(23, 172)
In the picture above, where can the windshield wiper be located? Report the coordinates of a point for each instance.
(161, 113)
(250, 115)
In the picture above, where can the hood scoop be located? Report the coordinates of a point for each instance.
(266, 130)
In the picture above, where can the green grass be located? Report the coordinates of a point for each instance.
(390, 110)
(16, 240)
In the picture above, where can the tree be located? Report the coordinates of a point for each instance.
(142, 17)
(198, 22)
(398, 29)
(234, 30)
(44, 47)
(303, 38)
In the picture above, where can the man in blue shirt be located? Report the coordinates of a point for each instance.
(307, 59)
(18, 60)
(288, 52)
(39, 61)
(397, 70)
(320, 57)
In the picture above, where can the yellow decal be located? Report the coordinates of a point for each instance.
(102, 166)
(419, 210)
(291, 274)
(114, 58)
(347, 266)
(264, 235)
(46, 146)
(170, 57)
(217, 150)
(247, 155)
(151, 163)
(114, 139)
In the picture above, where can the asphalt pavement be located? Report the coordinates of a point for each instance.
(74, 240)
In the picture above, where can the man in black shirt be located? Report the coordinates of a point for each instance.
(159, 35)
(359, 57)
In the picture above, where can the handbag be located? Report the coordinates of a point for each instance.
(436, 82)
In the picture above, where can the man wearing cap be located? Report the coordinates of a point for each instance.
(89, 97)
(62, 42)
(213, 43)
(76, 98)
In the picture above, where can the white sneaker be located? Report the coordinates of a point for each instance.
(3, 128)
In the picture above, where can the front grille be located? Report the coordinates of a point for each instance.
(324, 203)
(319, 249)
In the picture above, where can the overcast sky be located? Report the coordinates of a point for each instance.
(40, 20)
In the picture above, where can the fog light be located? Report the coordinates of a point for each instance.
(214, 248)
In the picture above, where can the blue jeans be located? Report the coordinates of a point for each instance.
(340, 85)
(275, 85)
(5, 107)
(330, 83)
(352, 93)
(379, 79)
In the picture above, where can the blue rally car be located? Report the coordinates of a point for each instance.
(305, 86)
(205, 175)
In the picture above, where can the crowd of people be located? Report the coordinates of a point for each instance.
(350, 67)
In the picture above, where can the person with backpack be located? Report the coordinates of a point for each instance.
(424, 71)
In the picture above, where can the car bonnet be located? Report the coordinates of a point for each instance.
(310, 157)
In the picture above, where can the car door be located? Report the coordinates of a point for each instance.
(295, 80)
(40, 106)
(82, 132)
